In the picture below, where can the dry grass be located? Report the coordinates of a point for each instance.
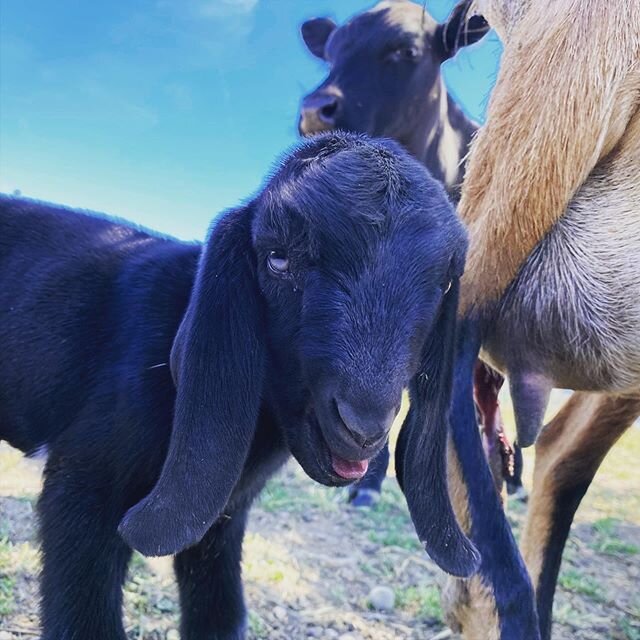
(310, 562)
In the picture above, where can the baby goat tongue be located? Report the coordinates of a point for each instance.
(349, 469)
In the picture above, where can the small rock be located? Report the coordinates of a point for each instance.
(280, 613)
(173, 634)
(314, 632)
(330, 634)
(381, 598)
(348, 636)
(5, 635)
(165, 605)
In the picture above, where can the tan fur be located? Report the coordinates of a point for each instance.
(569, 451)
(554, 113)
(457, 488)
(575, 294)
(469, 600)
(469, 606)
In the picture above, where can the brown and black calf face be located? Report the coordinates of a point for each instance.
(384, 69)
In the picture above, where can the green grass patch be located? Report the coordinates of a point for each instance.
(257, 625)
(276, 496)
(7, 582)
(5, 554)
(137, 563)
(568, 615)
(578, 582)
(395, 537)
(388, 523)
(277, 576)
(617, 548)
(7, 601)
(630, 628)
(421, 602)
(289, 495)
(607, 541)
(606, 526)
(381, 569)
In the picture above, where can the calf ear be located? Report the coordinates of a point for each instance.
(421, 451)
(217, 362)
(460, 29)
(315, 33)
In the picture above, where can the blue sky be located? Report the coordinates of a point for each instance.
(165, 112)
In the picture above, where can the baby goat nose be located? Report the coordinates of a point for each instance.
(366, 427)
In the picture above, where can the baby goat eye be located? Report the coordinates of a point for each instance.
(278, 262)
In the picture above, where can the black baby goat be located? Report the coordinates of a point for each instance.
(167, 381)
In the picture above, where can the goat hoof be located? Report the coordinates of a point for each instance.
(364, 497)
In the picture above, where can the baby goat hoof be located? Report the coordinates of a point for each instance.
(364, 497)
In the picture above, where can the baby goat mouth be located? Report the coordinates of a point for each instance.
(349, 469)
(327, 466)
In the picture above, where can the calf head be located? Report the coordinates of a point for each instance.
(384, 77)
(325, 297)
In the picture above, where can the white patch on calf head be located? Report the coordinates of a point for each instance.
(449, 154)
(408, 16)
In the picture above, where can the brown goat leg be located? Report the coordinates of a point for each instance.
(569, 451)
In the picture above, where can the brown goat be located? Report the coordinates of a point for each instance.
(553, 181)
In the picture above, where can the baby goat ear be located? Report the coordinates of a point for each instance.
(459, 30)
(217, 362)
(421, 451)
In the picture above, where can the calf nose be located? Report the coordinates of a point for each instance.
(367, 427)
(319, 112)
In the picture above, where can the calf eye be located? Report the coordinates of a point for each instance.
(278, 262)
(404, 53)
(410, 53)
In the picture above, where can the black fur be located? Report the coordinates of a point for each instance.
(417, 470)
(96, 317)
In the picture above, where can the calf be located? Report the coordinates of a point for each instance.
(385, 80)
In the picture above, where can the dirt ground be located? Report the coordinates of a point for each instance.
(310, 563)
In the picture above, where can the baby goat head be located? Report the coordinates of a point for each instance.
(322, 299)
